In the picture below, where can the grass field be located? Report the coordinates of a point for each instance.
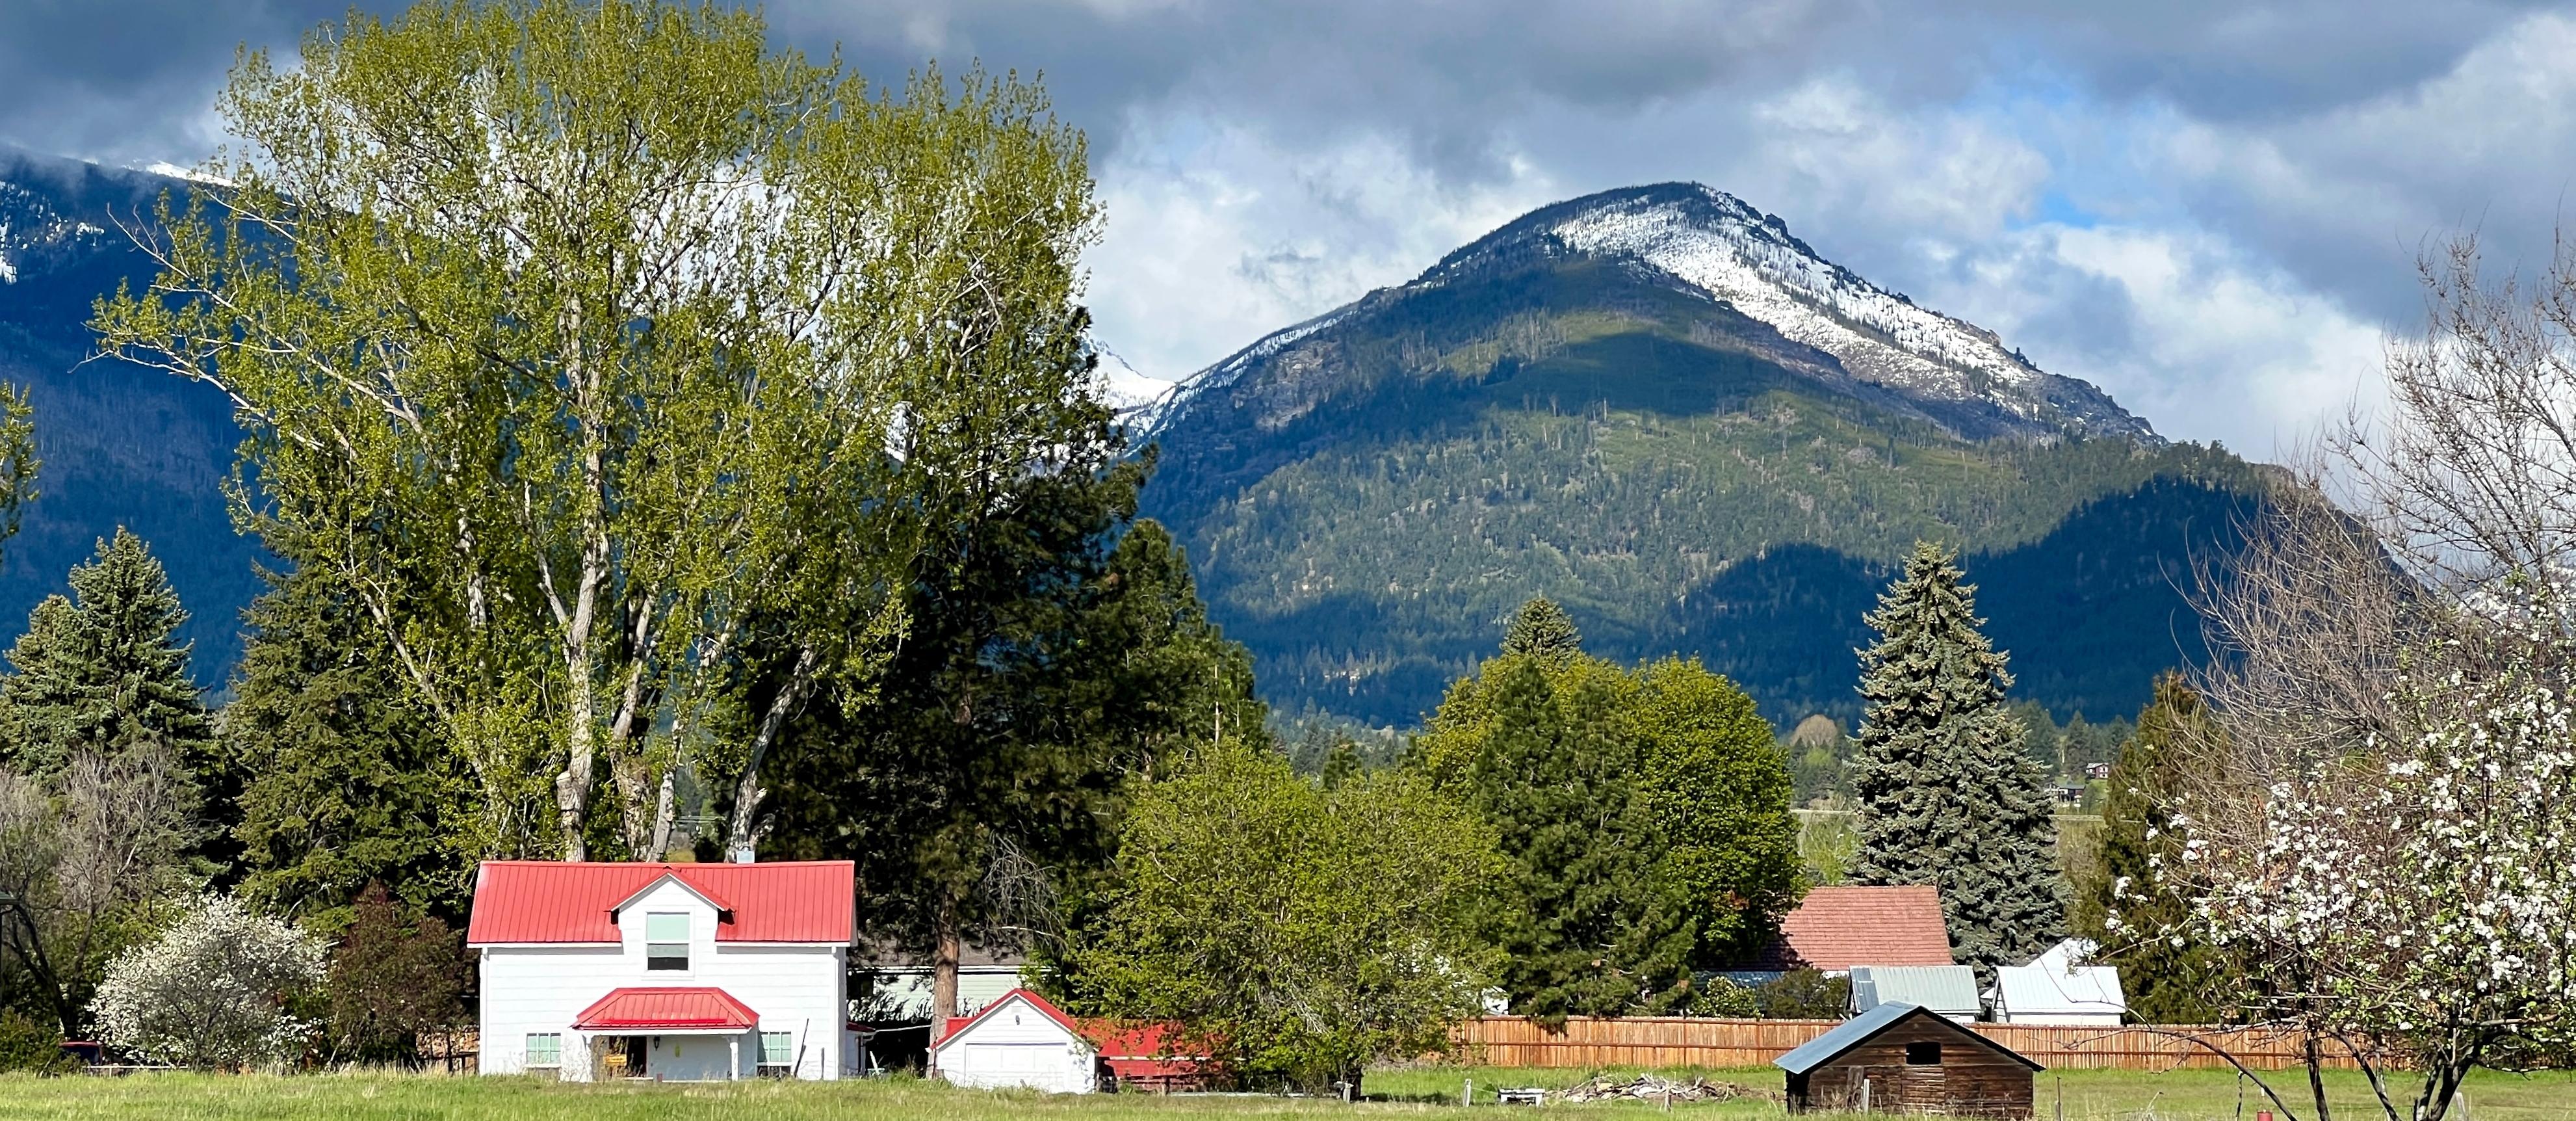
(2086, 1095)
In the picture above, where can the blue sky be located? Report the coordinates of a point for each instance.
(2211, 210)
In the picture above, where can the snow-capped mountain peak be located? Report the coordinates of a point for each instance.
(1696, 239)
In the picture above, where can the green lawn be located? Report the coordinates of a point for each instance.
(2088, 1096)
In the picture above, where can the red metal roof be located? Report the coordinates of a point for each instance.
(559, 901)
(671, 1009)
(1836, 928)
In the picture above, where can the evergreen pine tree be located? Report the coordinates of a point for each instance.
(2120, 906)
(355, 782)
(1544, 629)
(102, 673)
(1343, 763)
(1946, 795)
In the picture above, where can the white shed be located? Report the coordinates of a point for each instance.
(1019, 1040)
(2054, 989)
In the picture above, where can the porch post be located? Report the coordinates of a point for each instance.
(733, 1044)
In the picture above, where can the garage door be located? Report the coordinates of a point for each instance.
(1042, 1065)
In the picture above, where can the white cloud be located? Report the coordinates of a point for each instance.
(1217, 236)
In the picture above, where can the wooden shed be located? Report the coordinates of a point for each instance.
(1905, 1058)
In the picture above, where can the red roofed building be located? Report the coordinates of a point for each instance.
(1024, 1040)
(665, 971)
(1836, 928)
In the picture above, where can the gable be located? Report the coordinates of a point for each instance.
(1020, 1016)
(1869, 1025)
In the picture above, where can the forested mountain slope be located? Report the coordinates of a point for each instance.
(121, 445)
(1661, 409)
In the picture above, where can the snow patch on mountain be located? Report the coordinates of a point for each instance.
(1748, 259)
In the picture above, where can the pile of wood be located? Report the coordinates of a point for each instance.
(1649, 1088)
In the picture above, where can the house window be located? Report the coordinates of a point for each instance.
(666, 941)
(1923, 1054)
(545, 1049)
(777, 1051)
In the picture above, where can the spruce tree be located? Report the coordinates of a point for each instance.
(2120, 905)
(102, 672)
(1544, 629)
(1946, 795)
(355, 784)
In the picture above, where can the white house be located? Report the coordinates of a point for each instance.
(1019, 1040)
(671, 971)
(2055, 990)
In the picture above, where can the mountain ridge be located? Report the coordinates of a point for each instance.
(1616, 401)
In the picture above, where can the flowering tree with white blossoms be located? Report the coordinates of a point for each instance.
(2414, 898)
(211, 991)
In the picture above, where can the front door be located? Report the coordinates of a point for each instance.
(624, 1056)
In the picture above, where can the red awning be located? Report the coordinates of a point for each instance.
(701, 1009)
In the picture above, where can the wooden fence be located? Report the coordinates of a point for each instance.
(1652, 1041)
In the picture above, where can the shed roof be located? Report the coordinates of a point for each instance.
(1866, 1026)
(667, 1009)
(2044, 987)
(549, 901)
(1836, 928)
(1947, 989)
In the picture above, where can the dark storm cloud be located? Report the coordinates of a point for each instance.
(1264, 161)
(129, 80)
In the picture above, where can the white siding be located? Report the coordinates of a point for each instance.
(903, 991)
(795, 989)
(1016, 1045)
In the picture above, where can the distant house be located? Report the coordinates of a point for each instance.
(1904, 1058)
(2097, 770)
(2054, 989)
(1024, 1040)
(668, 971)
(896, 986)
(1948, 990)
(1836, 928)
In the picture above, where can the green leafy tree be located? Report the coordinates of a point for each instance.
(572, 338)
(1542, 628)
(101, 672)
(1297, 934)
(2120, 905)
(1946, 795)
(1644, 818)
(353, 783)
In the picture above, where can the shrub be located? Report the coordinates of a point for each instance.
(1719, 997)
(26, 1045)
(211, 991)
(1804, 994)
(388, 984)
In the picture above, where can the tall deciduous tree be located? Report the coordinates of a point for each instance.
(1643, 816)
(593, 347)
(1296, 934)
(1946, 795)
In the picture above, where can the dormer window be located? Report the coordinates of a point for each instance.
(666, 940)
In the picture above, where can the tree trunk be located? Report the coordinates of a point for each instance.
(943, 964)
(747, 792)
(2317, 1077)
